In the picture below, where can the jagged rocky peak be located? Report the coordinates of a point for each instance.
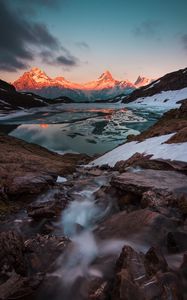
(106, 76)
(142, 81)
(37, 73)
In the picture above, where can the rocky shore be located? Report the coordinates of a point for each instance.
(129, 234)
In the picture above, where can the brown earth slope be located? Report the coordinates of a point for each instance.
(28, 168)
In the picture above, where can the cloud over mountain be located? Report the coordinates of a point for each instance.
(21, 39)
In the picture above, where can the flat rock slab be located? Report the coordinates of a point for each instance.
(142, 226)
(169, 182)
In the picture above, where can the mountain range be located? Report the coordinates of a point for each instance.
(167, 91)
(105, 87)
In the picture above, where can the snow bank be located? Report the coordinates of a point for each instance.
(154, 146)
(165, 99)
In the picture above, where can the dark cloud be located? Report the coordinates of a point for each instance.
(22, 39)
(64, 59)
(69, 61)
(184, 41)
(83, 45)
(147, 29)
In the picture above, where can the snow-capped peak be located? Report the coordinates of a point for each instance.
(106, 76)
(38, 75)
(142, 81)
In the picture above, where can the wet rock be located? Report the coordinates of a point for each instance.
(182, 204)
(122, 165)
(142, 161)
(14, 280)
(144, 227)
(12, 253)
(47, 210)
(155, 187)
(177, 241)
(154, 261)
(92, 172)
(43, 251)
(30, 183)
(98, 289)
(153, 199)
(134, 280)
(18, 287)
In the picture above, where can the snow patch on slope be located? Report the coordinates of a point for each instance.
(166, 99)
(154, 146)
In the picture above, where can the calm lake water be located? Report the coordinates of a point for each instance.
(83, 128)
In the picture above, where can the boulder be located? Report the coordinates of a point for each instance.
(47, 210)
(143, 277)
(12, 253)
(156, 188)
(142, 227)
(43, 251)
(142, 161)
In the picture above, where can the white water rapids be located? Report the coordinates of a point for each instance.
(77, 265)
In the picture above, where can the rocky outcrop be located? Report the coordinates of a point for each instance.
(167, 186)
(144, 277)
(140, 226)
(24, 263)
(140, 161)
(27, 169)
(172, 81)
(10, 99)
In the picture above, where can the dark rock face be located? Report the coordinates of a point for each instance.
(140, 276)
(172, 81)
(48, 209)
(12, 253)
(144, 227)
(43, 251)
(142, 161)
(157, 188)
(13, 100)
(24, 263)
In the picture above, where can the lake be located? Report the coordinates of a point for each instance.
(91, 128)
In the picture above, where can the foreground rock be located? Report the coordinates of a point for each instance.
(144, 277)
(24, 263)
(28, 169)
(141, 161)
(153, 188)
(143, 228)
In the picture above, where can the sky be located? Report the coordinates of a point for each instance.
(80, 39)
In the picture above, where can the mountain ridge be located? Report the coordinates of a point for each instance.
(104, 87)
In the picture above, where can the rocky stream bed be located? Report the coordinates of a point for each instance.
(74, 233)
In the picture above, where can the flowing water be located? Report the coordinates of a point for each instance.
(77, 266)
(83, 128)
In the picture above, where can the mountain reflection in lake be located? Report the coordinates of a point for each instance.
(88, 128)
